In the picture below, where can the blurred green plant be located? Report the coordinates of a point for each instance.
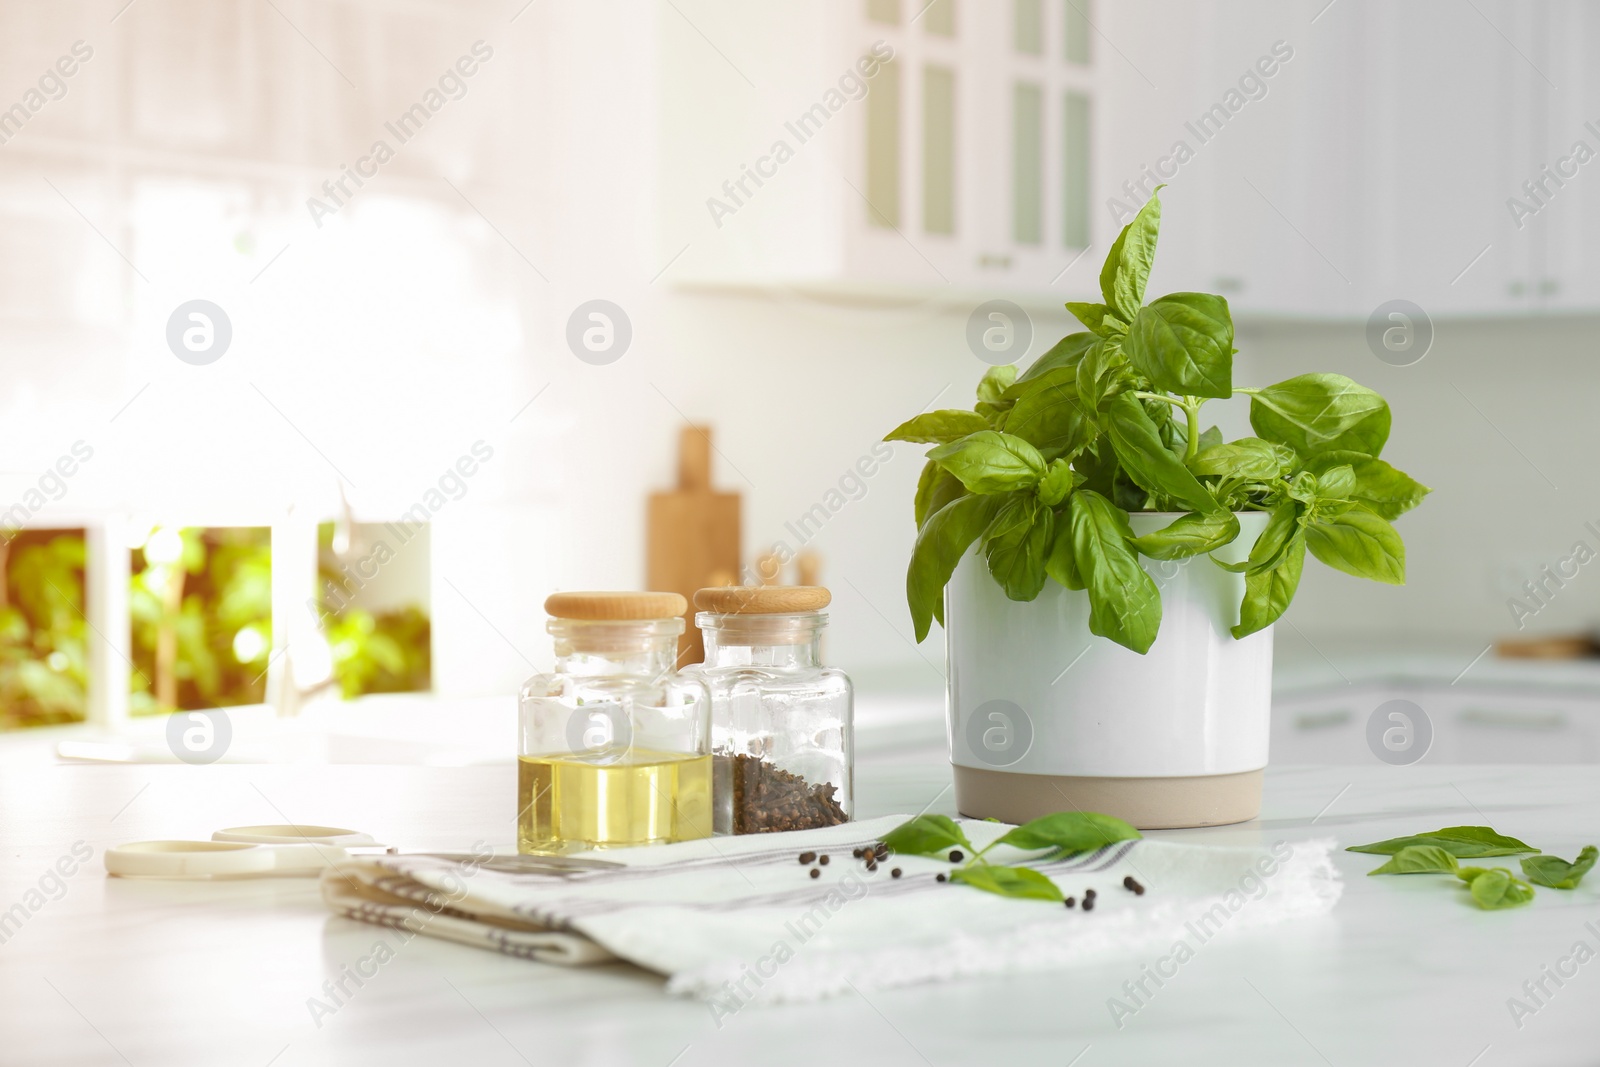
(201, 603)
(44, 672)
(373, 652)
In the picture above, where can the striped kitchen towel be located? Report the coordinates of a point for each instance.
(736, 920)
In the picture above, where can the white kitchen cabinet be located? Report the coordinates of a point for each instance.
(964, 166)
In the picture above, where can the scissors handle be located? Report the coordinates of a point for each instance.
(212, 859)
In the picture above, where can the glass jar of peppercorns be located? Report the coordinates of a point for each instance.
(781, 734)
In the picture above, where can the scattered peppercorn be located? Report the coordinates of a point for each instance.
(872, 864)
(1088, 903)
(1071, 902)
(938, 878)
(1089, 894)
(895, 873)
(815, 873)
(882, 850)
(807, 857)
(856, 852)
(823, 859)
(956, 856)
(1132, 883)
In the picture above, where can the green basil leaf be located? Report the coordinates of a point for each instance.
(1336, 483)
(1267, 592)
(1050, 416)
(1494, 888)
(1124, 603)
(1127, 267)
(1060, 563)
(1359, 543)
(1147, 461)
(991, 462)
(1100, 372)
(927, 835)
(1271, 543)
(1065, 353)
(1097, 318)
(1190, 535)
(1070, 831)
(943, 539)
(993, 415)
(1210, 437)
(1016, 544)
(937, 427)
(1463, 842)
(1059, 480)
(1183, 343)
(1317, 413)
(936, 487)
(1558, 873)
(1248, 457)
(995, 381)
(1019, 882)
(1384, 490)
(1419, 859)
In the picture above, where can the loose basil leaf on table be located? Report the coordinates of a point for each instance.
(1019, 882)
(1419, 859)
(1387, 492)
(1495, 888)
(1359, 543)
(1463, 842)
(1124, 603)
(1127, 267)
(1558, 873)
(1050, 416)
(1016, 544)
(1267, 592)
(1147, 461)
(1189, 535)
(938, 427)
(1317, 413)
(941, 543)
(991, 462)
(927, 835)
(1070, 831)
(1183, 343)
(935, 488)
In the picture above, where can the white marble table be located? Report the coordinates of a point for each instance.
(124, 972)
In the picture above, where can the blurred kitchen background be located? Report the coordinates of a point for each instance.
(420, 422)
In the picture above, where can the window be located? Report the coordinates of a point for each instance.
(200, 599)
(1075, 171)
(1076, 30)
(372, 600)
(938, 149)
(1028, 27)
(883, 147)
(1027, 163)
(939, 18)
(44, 634)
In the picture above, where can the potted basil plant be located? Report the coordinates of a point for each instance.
(1108, 572)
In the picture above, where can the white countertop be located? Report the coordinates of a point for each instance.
(124, 972)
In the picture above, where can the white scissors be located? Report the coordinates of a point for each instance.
(287, 850)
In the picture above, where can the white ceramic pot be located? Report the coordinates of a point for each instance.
(1044, 716)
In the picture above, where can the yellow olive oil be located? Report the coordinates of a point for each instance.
(611, 799)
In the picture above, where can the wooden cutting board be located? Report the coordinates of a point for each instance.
(692, 535)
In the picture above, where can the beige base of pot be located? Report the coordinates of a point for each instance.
(1148, 803)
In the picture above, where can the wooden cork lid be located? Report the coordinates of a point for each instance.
(762, 599)
(615, 606)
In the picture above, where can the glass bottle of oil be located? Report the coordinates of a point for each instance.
(614, 745)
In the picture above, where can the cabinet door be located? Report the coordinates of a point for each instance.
(1566, 226)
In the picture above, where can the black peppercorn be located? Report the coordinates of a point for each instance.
(815, 873)
(956, 855)
(1071, 902)
(807, 857)
(1088, 903)
(938, 878)
(823, 859)
(895, 873)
